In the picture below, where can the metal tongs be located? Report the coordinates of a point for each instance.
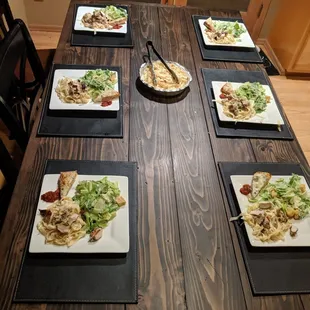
(148, 58)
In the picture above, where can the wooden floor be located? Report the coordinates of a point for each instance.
(45, 39)
(294, 95)
(295, 98)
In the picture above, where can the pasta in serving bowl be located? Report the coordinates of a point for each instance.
(165, 82)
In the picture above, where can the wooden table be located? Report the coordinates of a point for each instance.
(189, 256)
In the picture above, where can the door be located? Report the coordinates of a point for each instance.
(255, 16)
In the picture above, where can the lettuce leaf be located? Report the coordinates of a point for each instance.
(97, 202)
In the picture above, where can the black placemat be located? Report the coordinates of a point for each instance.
(271, 271)
(240, 129)
(87, 278)
(224, 53)
(105, 124)
(101, 39)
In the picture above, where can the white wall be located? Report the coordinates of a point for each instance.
(47, 12)
(18, 9)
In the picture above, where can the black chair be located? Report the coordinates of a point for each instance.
(6, 17)
(6, 23)
(19, 100)
(10, 172)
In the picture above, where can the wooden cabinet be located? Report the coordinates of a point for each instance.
(255, 15)
(289, 36)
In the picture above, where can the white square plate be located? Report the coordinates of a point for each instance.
(57, 104)
(82, 10)
(115, 238)
(270, 116)
(302, 238)
(244, 40)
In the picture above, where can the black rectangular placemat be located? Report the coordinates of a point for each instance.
(224, 53)
(271, 271)
(105, 124)
(240, 129)
(85, 278)
(87, 38)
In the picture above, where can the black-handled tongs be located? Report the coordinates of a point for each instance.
(149, 58)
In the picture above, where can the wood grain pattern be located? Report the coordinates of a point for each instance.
(189, 255)
(40, 149)
(208, 266)
(242, 150)
(239, 150)
(161, 282)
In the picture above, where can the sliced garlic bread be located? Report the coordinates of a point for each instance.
(259, 181)
(65, 182)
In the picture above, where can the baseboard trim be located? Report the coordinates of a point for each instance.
(264, 44)
(51, 28)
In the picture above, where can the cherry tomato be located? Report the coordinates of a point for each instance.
(106, 103)
(51, 196)
(246, 189)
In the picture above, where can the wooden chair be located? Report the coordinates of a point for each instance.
(18, 99)
(6, 17)
(10, 172)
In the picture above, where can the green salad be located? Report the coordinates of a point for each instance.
(99, 202)
(113, 12)
(291, 196)
(98, 81)
(235, 28)
(254, 92)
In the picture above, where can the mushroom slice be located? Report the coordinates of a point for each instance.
(293, 231)
(96, 234)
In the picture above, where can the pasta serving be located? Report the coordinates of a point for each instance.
(96, 86)
(109, 17)
(62, 223)
(244, 102)
(271, 212)
(268, 225)
(72, 91)
(221, 32)
(235, 107)
(163, 76)
(93, 207)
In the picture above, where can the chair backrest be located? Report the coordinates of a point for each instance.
(7, 166)
(16, 48)
(10, 172)
(6, 17)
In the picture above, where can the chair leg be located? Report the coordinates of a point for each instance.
(11, 122)
(5, 198)
(7, 166)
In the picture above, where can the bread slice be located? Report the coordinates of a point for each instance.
(259, 181)
(107, 95)
(209, 24)
(65, 182)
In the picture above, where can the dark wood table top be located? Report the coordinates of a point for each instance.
(189, 256)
